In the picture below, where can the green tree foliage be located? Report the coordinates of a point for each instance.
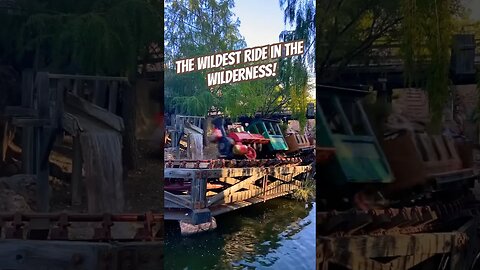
(294, 80)
(348, 29)
(289, 90)
(427, 35)
(357, 31)
(202, 27)
(194, 28)
(264, 97)
(299, 14)
(91, 36)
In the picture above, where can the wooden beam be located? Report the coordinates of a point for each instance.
(71, 124)
(77, 167)
(177, 200)
(229, 180)
(59, 104)
(86, 77)
(20, 111)
(113, 92)
(46, 140)
(99, 113)
(30, 122)
(224, 208)
(28, 162)
(128, 113)
(199, 193)
(355, 251)
(44, 143)
(100, 94)
(231, 190)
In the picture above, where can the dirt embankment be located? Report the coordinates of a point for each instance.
(142, 187)
(17, 193)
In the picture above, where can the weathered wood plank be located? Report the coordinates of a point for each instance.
(199, 193)
(100, 94)
(75, 89)
(392, 245)
(27, 88)
(113, 92)
(234, 172)
(44, 142)
(231, 190)
(19, 111)
(59, 103)
(177, 200)
(229, 180)
(43, 95)
(70, 124)
(99, 113)
(86, 77)
(281, 181)
(128, 113)
(224, 208)
(29, 122)
(77, 167)
(27, 132)
(28, 137)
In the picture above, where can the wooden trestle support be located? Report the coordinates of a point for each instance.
(212, 189)
(422, 238)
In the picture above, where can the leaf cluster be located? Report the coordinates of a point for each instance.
(94, 37)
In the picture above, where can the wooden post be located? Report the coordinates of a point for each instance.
(47, 139)
(176, 140)
(28, 163)
(100, 95)
(44, 143)
(199, 192)
(128, 115)
(75, 87)
(189, 150)
(113, 97)
(205, 131)
(77, 171)
(59, 105)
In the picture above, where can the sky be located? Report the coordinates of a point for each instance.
(260, 21)
(474, 6)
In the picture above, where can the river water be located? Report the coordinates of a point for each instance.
(277, 234)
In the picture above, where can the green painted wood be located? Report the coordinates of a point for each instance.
(270, 130)
(358, 158)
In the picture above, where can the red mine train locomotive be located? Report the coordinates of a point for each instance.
(263, 139)
(236, 143)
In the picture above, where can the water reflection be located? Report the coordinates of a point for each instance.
(279, 234)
